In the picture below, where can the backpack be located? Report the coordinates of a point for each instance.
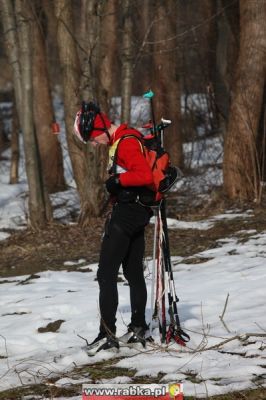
(164, 174)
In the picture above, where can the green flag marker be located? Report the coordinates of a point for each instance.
(148, 95)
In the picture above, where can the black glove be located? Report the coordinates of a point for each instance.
(113, 185)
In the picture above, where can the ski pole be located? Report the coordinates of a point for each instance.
(164, 258)
(153, 266)
(160, 283)
(175, 331)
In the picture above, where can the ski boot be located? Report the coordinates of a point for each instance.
(136, 334)
(103, 342)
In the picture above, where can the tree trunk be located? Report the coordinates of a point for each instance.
(127, 61)
(14, 146)
(143, 22)
(12, 50)
(4, 142)
(108, 54)
(90, 54)
(1, 135)
(96, 157)
(227, 49)
(261, 141)
(52, 59)
(86, 161)
(207, 40)
(166, 82)
(49, 146)
(39, 205)
(88, 39)
(241, 169)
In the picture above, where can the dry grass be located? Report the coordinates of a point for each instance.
(29, 252)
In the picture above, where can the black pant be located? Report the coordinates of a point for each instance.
(123, 243)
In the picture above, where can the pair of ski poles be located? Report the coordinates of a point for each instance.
(162, 280)
(162, 268)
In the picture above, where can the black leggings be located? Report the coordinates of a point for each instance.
(123, 243)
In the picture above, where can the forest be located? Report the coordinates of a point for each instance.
(119, 49)
(205, 62)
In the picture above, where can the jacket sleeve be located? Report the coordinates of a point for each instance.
(130, 156)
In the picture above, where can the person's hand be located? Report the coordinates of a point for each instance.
(113, 185)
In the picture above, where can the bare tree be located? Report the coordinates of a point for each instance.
(90, 46)
(241, 168)
(143, 20)
(3, 136)
(52, 59)
(89, 36)
(49, 146)
(86, 161)
(261, 141)
(108, 74)
(39, 204)
(19, 53)
(96, 158)
(12, 49)
(14, 167)
(127, 60)
(227, 49)
(166, 83)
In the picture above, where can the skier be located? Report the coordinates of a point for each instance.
(123, 240)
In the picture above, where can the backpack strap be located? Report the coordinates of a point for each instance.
(130, 135)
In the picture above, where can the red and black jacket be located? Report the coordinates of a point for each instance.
(129, 156)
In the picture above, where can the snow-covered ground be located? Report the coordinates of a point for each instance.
(224, 354)
(232, 269)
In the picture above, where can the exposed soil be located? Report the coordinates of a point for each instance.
(106, 370)
(29, 252)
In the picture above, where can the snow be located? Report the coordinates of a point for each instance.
(140, 111)
(203, 288)
(232, 270)
(203, 225)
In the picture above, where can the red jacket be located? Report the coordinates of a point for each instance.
(130, 157)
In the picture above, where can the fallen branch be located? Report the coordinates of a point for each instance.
(222, 316)
(242, 337)
(7, 360)
(81, 337)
